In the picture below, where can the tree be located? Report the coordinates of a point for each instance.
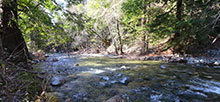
(13, 45)
(106, 17)
(177, 34)
(137, 19)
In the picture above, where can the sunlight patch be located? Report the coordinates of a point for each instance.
(111, 69)
(93, 71)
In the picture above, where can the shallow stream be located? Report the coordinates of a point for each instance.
(88, 78)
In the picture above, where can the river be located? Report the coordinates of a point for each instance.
(86, 78)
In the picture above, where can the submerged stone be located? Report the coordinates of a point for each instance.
(105, 78)
(119, 75)
(57, 81)
(104, 84)
(79, 96)
(162, 66)
(55, 60)
(113, 82)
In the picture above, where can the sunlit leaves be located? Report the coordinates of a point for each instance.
(35, 21)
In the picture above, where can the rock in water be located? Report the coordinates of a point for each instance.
(57, 81)
(162, 66)
(123, 67)
(76, 64)
(119, 75)
(113, 82)
(124, 80)
(217, 63)
(117, 98)
(190, 60)
(105, 78)
(104, 84)
(55, 60)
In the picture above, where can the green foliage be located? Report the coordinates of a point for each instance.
(43, 23)
(94, 22)
(33, 87)
(195, 27)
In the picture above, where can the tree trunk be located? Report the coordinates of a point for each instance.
(177, 48)
(179, 10)
(148, 21)
(119, 37)
(178, 16)
(142, 26)
(115, 45)
(12, 40)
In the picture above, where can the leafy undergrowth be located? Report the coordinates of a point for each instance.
(21, 83)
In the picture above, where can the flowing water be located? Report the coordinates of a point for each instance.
(96, 79)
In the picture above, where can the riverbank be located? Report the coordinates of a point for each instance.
(209, 59)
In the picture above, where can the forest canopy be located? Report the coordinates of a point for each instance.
(118, 25)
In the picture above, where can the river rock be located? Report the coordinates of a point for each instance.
(197, 65)
(192, 60)
(104, 84)
(208, 77)
(217, 62)
(55, 60)
(119, 75)
(76, 64)
(113, 82)
(71, 77)
(79, 96)
(214, 52)
(57, 81)
(68, 100)
(124, 80)
(123, 68)
(202, 60)
(162, 66)
(154, 58)
(105, 78)
(117, 98)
